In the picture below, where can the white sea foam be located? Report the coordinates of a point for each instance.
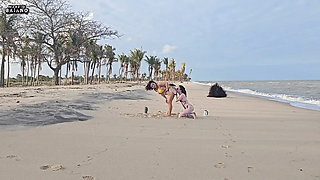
(296, 101)
(206, 84)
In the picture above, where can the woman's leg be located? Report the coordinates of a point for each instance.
(185, 112)
(188, 111)
(170, 97)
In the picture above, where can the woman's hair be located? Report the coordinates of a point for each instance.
(183, 90)
(148, 86)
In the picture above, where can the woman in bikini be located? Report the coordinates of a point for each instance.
(166, 90)
(188, 108)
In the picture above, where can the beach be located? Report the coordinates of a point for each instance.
(101, 132)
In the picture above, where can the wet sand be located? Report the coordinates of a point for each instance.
(242, 138)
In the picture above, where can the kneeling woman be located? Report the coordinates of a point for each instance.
(165, 90)
(188, 108)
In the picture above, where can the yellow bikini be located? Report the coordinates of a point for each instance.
(160, 91)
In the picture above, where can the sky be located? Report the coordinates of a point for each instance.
(219, 39)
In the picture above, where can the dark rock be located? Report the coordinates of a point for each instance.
(217, 91)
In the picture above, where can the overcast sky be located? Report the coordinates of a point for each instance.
(219, 39)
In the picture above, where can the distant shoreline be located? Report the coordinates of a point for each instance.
(313, 104)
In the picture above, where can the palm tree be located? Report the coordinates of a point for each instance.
(126, 67)
(133, 65)
(172, 69)
(23, 54)
(7, 34)
(166, 63)
(177, 74)
(68, 51)
(89, 46)
(124, 63)
(137, 56)
(151, 60)
(73, 46)
(33, 65)
(121, 69)
(162, 74)
(36, 49)
(23, 67)
(189, 76)
(182, 71)
(110, 57)
(157, 67)
(101, 56)
(96, 55)
(93, 56)
(11, 53)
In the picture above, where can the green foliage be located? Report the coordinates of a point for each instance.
(72, 39)
(135, 60)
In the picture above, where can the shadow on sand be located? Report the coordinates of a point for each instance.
(60, 111)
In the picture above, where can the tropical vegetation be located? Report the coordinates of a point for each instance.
(54, 36)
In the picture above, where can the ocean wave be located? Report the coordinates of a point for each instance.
(273, 82)
(296, 101)
(293, 100)
(203, 83)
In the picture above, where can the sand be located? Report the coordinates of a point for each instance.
(101, 132)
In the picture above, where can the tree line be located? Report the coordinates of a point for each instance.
(53, 35)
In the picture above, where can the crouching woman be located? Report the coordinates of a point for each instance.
(188, 107)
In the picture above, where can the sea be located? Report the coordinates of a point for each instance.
(303, 94)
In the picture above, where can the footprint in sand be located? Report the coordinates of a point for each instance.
(149, 115)
(15, 157)
(85, 162)
(250, 168)
(88, 178)
(233, 140)
(227, 155)
(225, 146)
(53, 167)
(220, 165)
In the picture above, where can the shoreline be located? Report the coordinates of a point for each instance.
(292, 104)
(282, 98)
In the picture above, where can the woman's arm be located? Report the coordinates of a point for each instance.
(181, 96)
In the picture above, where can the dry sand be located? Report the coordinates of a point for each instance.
(110, 137)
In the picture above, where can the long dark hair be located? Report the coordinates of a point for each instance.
(183, 90)
(148, 86)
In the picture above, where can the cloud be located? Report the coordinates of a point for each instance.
(168, 49)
